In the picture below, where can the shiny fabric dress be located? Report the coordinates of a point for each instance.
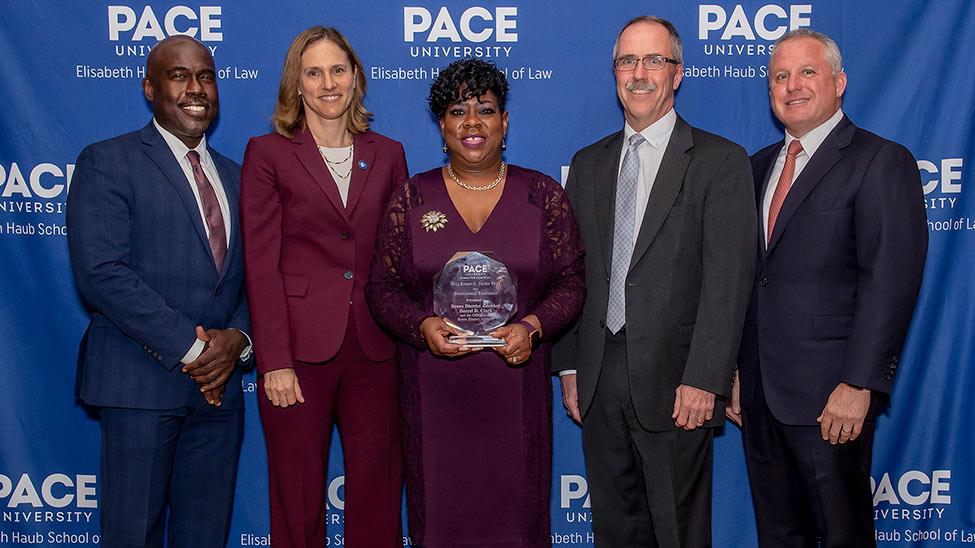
(477, 432)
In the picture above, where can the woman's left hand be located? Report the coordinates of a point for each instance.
(518, 345)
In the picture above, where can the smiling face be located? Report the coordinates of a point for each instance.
(646, 94)
(181, 84)
(327, 83)
(473, 131)
(802, 88)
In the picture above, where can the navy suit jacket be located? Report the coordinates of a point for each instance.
(142, 263)
(835, 290)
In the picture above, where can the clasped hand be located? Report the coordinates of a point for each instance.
(215, 365)
(517, 348)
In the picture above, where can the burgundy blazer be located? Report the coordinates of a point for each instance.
(306, 256)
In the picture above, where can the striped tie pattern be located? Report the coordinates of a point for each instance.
(211, 210)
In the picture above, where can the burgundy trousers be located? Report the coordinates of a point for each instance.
(360, 395)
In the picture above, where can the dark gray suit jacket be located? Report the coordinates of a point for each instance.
(690, 276)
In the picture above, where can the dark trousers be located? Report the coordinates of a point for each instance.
(360, 396)
(183, 459)
(807, 493)
(647, 489)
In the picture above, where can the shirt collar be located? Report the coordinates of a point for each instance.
(657, 133)
(179, 149)
(812, 140)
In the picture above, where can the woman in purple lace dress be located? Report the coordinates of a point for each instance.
(477, 422)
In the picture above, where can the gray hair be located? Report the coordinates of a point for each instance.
(833, 56)
(675, 43)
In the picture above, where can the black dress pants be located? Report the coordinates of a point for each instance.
(647, 489)
(807, 493)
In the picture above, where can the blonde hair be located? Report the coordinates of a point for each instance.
(289, 113)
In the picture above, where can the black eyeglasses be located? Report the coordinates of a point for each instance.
(650, 62)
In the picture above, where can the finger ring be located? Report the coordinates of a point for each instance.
(845, 431)
(514, 359)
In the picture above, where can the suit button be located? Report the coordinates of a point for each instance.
(763, 282)
(348, 275)
(602, 323)
(218, 292)
(345, 235)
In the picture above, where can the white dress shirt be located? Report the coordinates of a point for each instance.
(810, 143)
(179, 150)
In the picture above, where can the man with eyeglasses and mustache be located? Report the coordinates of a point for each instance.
(156, 252)
(667, 216)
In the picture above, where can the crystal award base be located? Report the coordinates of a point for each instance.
(475, 340)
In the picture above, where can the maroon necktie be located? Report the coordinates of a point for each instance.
(783, 186)
(211, 210)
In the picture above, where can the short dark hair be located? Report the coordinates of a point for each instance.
(464, 79)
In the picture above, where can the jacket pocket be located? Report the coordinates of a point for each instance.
(827, 328)
(680, 210)
(827, 203)
(295, 286)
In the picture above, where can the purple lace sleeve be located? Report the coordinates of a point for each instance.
(561, 256)
(390, 292)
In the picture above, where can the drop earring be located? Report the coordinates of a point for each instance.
(504, 147)
(445, 148)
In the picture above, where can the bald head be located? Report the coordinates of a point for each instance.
(160, 49)
(181, 84)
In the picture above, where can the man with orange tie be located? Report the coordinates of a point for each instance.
(841, 254)
(155, 248)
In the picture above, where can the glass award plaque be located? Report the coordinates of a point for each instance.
(475, 295)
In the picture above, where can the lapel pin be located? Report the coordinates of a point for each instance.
(363, 164)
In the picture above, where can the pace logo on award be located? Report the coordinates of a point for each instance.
(474, 294)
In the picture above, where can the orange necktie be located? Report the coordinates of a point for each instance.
(783, 186)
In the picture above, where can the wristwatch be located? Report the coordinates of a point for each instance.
(532, 330)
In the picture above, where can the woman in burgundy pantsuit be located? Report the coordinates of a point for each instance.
(477, 424)
(312, 194)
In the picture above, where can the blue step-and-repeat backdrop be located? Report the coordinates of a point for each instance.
(70, 73)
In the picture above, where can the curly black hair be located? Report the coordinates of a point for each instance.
(474, 76)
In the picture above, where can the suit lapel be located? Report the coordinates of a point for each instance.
(763, 170)
(818, 166)
(308, 154)
(666, 186)
(231, 190)
(362, 165)
(160, 153)
(606, 169)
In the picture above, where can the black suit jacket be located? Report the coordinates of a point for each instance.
(834, 292)
(689, 278)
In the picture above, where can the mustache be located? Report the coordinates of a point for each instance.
(641, 85)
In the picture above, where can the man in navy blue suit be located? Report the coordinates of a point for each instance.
(155, 248)
(841, 256)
